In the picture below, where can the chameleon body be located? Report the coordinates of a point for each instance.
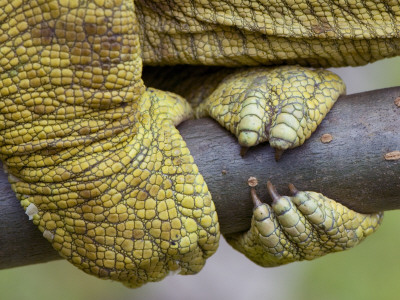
(95, 158)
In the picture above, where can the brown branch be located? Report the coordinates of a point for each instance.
(359, 167)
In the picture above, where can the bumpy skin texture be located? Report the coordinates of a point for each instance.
(112, 184)
(302, 227)
(234, 33)
(93, 155)
(283, 105)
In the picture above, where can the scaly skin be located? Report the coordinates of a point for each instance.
(93, 154)
(283, 105)
(319, 33)
(302, 227)
(94, 157)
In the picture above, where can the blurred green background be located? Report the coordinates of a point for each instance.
(370, 271)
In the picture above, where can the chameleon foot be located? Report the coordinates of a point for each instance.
(304, 226)
(282, 105)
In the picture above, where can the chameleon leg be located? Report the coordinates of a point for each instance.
(282, 105)
(302, 227)
(92, 154)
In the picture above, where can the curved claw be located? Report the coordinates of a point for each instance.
(278, 154)
(243, 151)
(273, 192)
(293, 189)
(257, 202)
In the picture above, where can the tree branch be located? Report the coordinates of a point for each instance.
(359, 168)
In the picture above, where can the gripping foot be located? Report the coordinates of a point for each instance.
(282, 105)
(304, 226)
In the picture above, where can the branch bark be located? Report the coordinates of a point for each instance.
(359, 168)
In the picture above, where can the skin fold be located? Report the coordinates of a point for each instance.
(93, 154)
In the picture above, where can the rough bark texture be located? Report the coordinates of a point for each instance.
(359, 167)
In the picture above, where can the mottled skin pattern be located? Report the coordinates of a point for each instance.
(95, 159)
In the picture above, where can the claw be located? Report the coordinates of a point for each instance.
(257, 202)
(273, 192)
(243, 151)
(278, 154)
(293, 189)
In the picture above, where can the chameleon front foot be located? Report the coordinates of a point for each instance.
(303, 226)
(282, 105)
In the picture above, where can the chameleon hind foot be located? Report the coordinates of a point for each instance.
(282, 105)
(304, 226)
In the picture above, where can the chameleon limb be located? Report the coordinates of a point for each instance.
(92, 154)
(303, 227)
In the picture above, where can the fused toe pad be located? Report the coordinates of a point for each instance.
(302, 227)
(283, 104)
